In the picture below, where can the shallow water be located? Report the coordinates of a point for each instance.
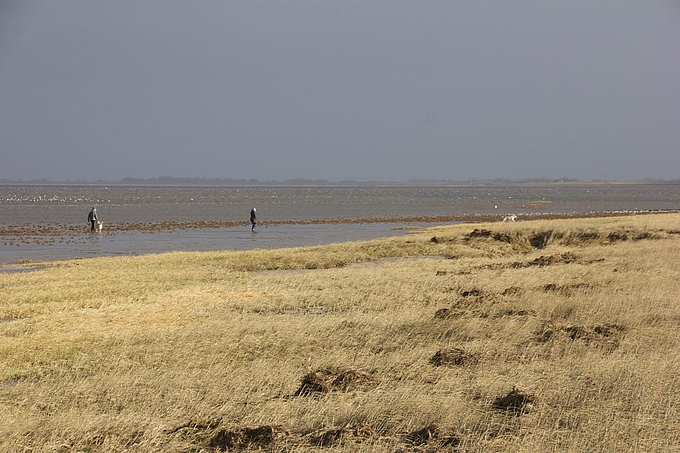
(91, 245)
(49, 222)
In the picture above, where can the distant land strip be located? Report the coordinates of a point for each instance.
(169, 181)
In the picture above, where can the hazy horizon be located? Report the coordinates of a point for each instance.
(350, 91)
(198, 181)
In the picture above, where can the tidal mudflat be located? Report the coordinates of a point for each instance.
(42, 223)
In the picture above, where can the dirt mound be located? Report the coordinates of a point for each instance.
(547, 260)
(314, 382)
(477, 233)
(645, 235)
(497, 236)
(566, 290)
(605, 334)
(617, 236)
(502, 237)
(477, 293)
(543, 260)
(453, 356)
(512, 291)
(460, 310)
(348, 434)
(481, 312)
(512, 312)
(515, 402)
(570, 238)
(478, 303)
(240, 439)
(540, 240)
(462, 306)
(333, 379)
(214, 437)
(448, 313)
(575, 238)
(431, 434)
(196, 426)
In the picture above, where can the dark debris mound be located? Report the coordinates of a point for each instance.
(512, 291)
(515, 402)
(453, 356)
(547, 260)
(540, 240)
(472, 296)
(602, 334)
(616, 236)
(314, 382)
(239, 439)
(478, 303)
(194, 426)
(483, 233)
(459, 311)
(476, 293)
(477, 233)
(442, 313)
(345, 435)
(619, 236)
(566, 290)
(431, 434)
(513, 312)
(334, 379)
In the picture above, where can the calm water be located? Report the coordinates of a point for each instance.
(42, 208)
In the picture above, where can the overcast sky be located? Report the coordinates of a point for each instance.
(348, 90)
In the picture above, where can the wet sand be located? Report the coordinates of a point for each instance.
(136, 242)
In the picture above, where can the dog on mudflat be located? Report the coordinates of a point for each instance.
(510, 218)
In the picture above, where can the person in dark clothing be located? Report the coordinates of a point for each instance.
(253, 218)
(92, 218)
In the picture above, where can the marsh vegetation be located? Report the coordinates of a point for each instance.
(546, 335)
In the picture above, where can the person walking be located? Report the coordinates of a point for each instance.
(253, 219)
(92, 218)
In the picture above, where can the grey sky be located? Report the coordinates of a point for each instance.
(350, 90)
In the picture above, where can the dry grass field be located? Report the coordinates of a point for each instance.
(537, 336)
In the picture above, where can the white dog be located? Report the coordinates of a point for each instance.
(100, 226)
(510, 218)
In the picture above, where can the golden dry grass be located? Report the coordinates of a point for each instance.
(556, 335)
